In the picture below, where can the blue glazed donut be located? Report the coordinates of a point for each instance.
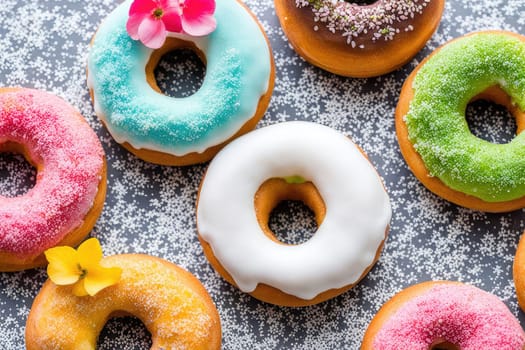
(178, 131)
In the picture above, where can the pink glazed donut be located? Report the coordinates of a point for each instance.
(70, 187)
(444, 315)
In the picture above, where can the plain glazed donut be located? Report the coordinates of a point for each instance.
(355, 40)
(171, 302)
(444, 315)
(434, 137)
(302, 161)
(180, 131)
(67, 199)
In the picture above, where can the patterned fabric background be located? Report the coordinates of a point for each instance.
(151, 209)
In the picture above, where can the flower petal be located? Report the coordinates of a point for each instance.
(100, 278)
(197, 17)
(195, 8)
(89, 254)
(165, 4)
(198, 26)
(79, 289)
(63, 265)
(172, 20)
(132, 26)
(142, 7)
(152, 32)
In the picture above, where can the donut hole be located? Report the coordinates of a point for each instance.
(177, 69)
(492, 117)
(292, 222)
(289, 213)
(490, 121)
(17, 174)
(124, 333)
(443, 345)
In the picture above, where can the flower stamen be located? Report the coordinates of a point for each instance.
(158, 13)
(81, 268)
(82, 272)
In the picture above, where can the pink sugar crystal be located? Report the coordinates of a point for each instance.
(56, 136)
(460, 314)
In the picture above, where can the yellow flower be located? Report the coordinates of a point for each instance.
(81, 267)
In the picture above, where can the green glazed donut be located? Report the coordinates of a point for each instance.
(436, 124)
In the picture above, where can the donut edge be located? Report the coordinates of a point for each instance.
(415, 162)
(518, 272)
(10, 262)
(190, 279)
(339, 58)
(162, 158)
(275, 296)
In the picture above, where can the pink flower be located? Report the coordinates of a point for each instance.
(150, 20)
(197, 17)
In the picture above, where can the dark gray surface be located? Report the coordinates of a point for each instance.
(150, 209)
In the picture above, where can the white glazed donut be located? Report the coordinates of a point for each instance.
(350, 231)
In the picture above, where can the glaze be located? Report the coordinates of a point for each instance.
(346, 242)
(47, 131)
(381, 20)
(435, 120)
(434, 313)
(357, 40)
(238, 72)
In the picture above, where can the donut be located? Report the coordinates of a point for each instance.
(70, 188)
(434, 136)
(171, 302)
(181, 131)
(518, 271)
(354, 40)
(296, 161)
(444, 315)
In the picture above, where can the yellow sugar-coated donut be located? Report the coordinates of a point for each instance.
(171, 302)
